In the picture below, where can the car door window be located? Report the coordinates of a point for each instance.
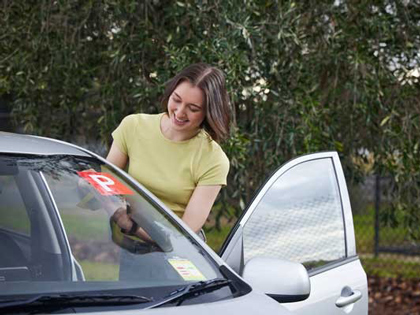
(12, 209)
(15, 230)
(299, 217)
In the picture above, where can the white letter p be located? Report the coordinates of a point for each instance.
(103, 181)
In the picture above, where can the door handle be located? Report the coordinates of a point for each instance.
(355, 296)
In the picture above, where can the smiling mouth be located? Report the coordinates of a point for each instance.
(180, 121)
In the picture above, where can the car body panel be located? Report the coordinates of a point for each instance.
(334, 280)
(24, 144)
(327, 282)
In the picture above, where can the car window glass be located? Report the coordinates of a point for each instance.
(87, 230)
(14, 216)
(299, 218)
(97, 243)
(76, 244)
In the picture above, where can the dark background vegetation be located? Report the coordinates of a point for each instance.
(303, 76)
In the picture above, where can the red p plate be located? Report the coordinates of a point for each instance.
(105, 183)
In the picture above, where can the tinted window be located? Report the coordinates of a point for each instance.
(299, 218)
(76, 243)
(12, 209)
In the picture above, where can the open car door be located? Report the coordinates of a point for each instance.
(303, 214)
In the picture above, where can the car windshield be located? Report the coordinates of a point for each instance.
(63, 228)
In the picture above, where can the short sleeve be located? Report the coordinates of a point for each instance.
(215, 172)
(122, 134)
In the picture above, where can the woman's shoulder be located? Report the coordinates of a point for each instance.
(211, 149)
(140, 118)
(213, 164)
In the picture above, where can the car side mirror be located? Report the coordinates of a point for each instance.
(283, 280)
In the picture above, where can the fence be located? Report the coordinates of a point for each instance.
(5, 121)
(385, 246)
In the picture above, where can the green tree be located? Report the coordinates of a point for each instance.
(303, 77)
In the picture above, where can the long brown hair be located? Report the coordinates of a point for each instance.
(211, 81)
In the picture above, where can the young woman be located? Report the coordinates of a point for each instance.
(176, 154)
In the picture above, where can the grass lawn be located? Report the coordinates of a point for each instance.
(216, 238)
(385, 265)
(92, 225)
(95, 271)
(15, 219)
(364, 226)
(388, 266)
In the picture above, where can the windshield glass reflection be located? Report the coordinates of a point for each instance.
(79, 225)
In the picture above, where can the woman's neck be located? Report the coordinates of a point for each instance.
(175, 135)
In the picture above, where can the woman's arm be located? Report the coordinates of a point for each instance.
(121, 216)
(116, 157)
(199, 206)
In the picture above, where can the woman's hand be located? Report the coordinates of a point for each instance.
(122, 219)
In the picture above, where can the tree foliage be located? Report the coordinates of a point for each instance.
(303, 76)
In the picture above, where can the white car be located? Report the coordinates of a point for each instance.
(62, 251)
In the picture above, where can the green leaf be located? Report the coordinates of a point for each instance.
(385, 120)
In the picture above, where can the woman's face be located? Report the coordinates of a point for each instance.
(186, 108)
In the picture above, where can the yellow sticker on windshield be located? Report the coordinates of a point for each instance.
(186, 270)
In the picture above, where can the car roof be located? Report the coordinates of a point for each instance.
(26, 144)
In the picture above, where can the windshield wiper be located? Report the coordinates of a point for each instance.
(192, 290)
(64, 300)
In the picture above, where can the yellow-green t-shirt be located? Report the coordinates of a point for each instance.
(169, 169)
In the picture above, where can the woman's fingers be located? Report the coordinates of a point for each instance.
(122, 219)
